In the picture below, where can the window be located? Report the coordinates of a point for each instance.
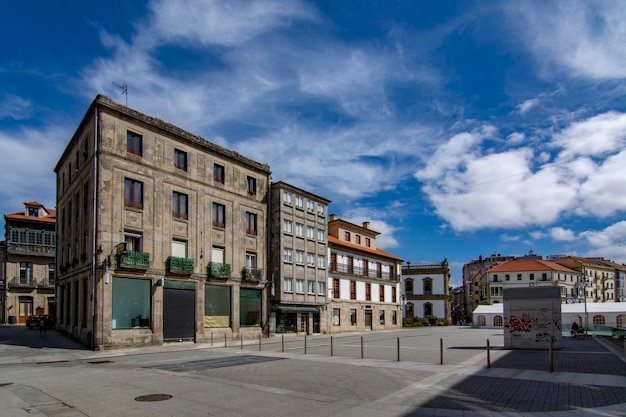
(85, 198)
(336, 288)
(288, 226)
(51, 274)
(310, 287)
(394, 317)
(347, 236)
(179, 248)
(179, 205)
(495, 278)
(310, 259)
(599, 320)
(250, 260)
(249, 308)
(219, 215)
(300, 257)
(299, 230)
(218, 173)
(310, 206)
(133, 194)
(353, 290)
(300, 285)
(321, 261)
(288, 284)
(288, 255)
(310, 233)
(336, 317)
(353, 316)
(368, 291)
(321, 288)
(251, 185)
(33, 212)
(251, 223)
(320, 210)
(507, 277)
(217, 306)
(287, 198)
(544, 276)
(133, 241)
(428, 309)
(321, 235)
(131, 303)
(381, 293)
(134, 143)
(299, 202)
(358, 239)
(180, 159)
(519, 277)
(350, 264)
(532, 277)
(368, 242)
(85, 149)
(381, 317)
(393, 294)
(497, 321)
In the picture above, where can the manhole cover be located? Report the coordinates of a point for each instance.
(153, 397)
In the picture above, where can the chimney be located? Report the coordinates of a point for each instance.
(366, 225)
(333, 217)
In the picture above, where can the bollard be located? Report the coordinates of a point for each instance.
(259, 342)
(488, 355)
(625, 355)
(550, 357)
(283, 343)
(241, 337)
(398, 349)
(361, 347)
(331, 346)
(224, 339)
(440, 351)
(211, 338)
(305, 344)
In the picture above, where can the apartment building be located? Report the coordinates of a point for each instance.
(620, 278)
(298, 260)
(597, 278)
(29, 263)
(473, 272)
(161, 234)
(364, 281)
(426, 291)
(529, 273)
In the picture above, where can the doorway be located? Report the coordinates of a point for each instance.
(368, 319)
(179, 317)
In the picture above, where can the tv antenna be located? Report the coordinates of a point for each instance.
(124, 89)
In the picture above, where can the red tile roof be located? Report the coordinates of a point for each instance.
(530, 265)
(333, 240)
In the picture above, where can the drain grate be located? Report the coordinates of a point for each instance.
(153, 397)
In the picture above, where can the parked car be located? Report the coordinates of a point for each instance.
(34, 322)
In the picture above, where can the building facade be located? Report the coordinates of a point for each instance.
(426, 292)
(363, 281)
(597, 278)
(529, 273)
(29, 263)
(162, 235)
(298, 260)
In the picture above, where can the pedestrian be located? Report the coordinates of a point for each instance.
(42, 325)
(575, 329)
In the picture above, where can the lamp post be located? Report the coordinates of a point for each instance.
(582, 288)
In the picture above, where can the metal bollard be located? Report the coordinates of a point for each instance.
(488, 355)
(550, 356)
(283, 343)
(331, 346)
(362, 347)
(440, 351)
(305, 344)
(225, 340)
(211, 338)
(241, 337)
(259, 342)
(398, 349)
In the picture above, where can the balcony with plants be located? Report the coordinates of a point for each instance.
(218, 270)
(182, 266)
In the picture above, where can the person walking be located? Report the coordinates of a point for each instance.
(42, 325)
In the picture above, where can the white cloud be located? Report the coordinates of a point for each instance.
(609, 242)
(527, 105)
(584, 37)
(14, 107)
(562, 235)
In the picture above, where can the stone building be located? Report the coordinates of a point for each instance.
(427, 292)
(28, 267)
(162, 235)
(598, 280)
(298, 260)
(363, 280)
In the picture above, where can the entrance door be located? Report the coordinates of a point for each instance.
(368, 319)
(179, 317)
(304, 323)
(26, 309)
(316, 323)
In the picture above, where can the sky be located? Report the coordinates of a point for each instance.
(457, 128)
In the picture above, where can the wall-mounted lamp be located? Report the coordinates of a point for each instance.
(159, 282)
(118, 249)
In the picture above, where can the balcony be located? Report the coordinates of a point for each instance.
(134, 260)
(22, 283)
(252, 274)
(218, 270)
(183, 266)
(46, 284)
(362, 272)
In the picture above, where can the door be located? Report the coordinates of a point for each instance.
(179, 317)
(304, 323)
(26, 309)
(368, 319)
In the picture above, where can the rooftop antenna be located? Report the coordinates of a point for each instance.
(124, 89)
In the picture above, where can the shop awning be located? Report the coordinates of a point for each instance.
(296, 308)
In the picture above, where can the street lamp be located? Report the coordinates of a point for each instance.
(582, 288)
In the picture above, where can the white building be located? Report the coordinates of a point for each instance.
(426, 291)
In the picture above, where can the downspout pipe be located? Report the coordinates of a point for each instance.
(94, 249)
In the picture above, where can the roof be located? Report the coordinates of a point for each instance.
(50, 217)
(530, 265)
(378, 252)
(587, 261)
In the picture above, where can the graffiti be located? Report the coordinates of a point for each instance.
(556, 318)
(544, 337)
(521, 324)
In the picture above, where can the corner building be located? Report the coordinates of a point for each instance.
(161, 234)
(299, 260)
(364, 281)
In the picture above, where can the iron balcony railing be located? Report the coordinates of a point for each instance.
(46, 283)
(216, 269)
(363, 272)
(134, 259)
(253, 274)
(22, 282)
(180, 265)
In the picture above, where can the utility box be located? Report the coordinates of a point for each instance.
(532, 318)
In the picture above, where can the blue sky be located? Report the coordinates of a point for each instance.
(458, 128)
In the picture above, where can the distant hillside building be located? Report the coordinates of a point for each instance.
(29, 263)
(426, 291)
(162, 235)
(298, 260)
(363, 280)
